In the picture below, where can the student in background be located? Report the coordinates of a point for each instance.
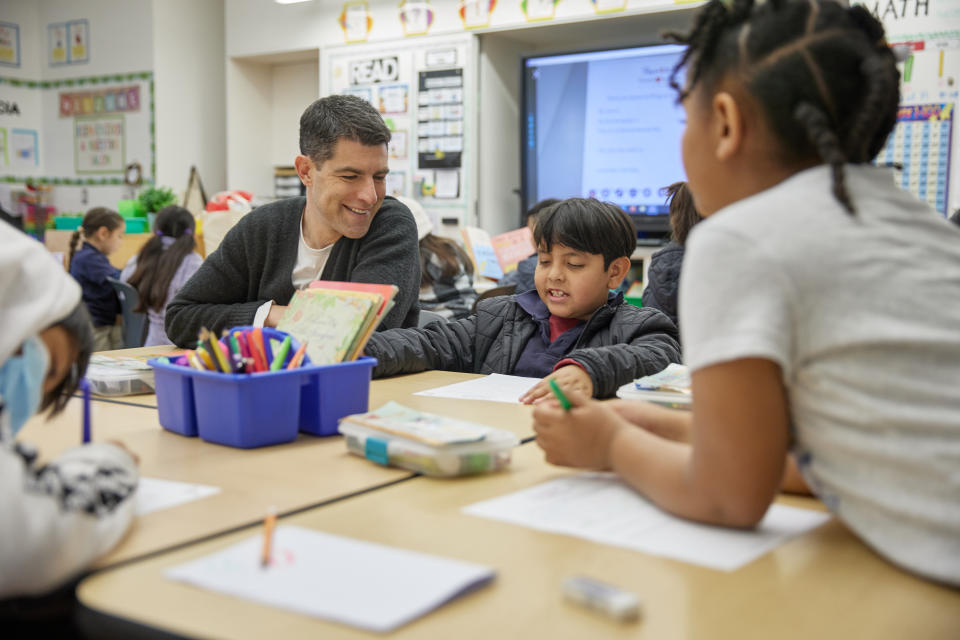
(570, 328)
(446, 271)
(55, 518)
(101, 231)
(663, 277)
(522, 276)
(164, 264)
(788, 323)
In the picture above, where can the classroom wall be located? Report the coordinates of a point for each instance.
(181, 42)
(293, 86)
(26, 15)
(121, 37)
(249, 136)
(113, 49)
(190, 77)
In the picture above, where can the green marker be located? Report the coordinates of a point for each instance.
(562, 398)
(280, 355)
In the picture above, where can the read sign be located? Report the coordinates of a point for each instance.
(374, 71)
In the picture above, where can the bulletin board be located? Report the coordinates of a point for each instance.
(422, 87)
(79, 131)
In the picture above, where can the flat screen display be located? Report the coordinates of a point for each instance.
(604, 124)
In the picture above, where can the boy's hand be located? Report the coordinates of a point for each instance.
(570, 378)
(579, 437)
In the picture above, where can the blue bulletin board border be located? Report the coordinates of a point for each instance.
(91, 82)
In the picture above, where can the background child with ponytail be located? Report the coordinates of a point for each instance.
(101, 231)
(790, 327)
(162, 267)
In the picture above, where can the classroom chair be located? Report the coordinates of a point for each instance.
(134, 323)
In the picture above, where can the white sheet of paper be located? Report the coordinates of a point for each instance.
(154, 494)
(448, 182)
(601, 508)
(496, 387)
(358, 583)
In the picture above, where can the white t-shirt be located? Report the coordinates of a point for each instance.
(309, 266)
(862, 313)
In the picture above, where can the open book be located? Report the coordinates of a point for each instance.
(336, 319)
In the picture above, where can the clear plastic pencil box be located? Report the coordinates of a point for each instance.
(394, 436)
(112, 376)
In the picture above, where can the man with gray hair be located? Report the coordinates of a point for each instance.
(345, 228)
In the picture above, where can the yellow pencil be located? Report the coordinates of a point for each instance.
(269, 523)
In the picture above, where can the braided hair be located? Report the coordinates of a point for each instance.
(822, 73)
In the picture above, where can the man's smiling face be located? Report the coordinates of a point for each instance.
(346, 191)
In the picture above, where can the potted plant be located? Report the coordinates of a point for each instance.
(152, 199)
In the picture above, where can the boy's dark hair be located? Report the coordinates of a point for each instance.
(77, 325)
(822, 73)
(328, 119)
(535, 210)
(157, 265)
(449, 253)
(92, 221)
(683, 213)
(587, 225)
(955, 217)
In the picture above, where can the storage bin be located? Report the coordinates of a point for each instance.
(67, 223)
(136, 225)
(333, 391)
(260, 409)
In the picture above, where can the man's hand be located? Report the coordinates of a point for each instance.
(570, 378)
(273, 318)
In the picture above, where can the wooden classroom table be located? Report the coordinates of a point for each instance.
(824, 584)
(307, 472)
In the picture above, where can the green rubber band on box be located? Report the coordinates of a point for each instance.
(376, 450)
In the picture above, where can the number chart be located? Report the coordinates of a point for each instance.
(920, 142)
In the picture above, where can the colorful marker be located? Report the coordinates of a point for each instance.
(564, 402)
(281, 355)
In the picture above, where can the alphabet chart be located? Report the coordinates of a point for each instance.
(920, 142)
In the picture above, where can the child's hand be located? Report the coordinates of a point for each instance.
(570, 378)
(672, 424)
(579, 437)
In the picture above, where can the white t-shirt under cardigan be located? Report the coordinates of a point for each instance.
(862, 313)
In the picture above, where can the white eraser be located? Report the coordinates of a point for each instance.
(610, 600)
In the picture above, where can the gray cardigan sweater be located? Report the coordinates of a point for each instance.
(255, 261)
(619, 343)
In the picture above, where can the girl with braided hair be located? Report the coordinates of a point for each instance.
(793, 339)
